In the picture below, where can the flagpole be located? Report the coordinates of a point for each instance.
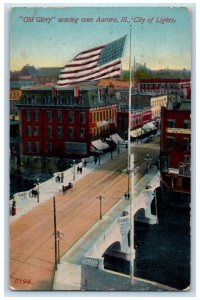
(131, 175)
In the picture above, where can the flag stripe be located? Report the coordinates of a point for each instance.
(93, 65)
(95, 70)
(92, 54)
(86, 78)
(90, 50)
(113, 75)
(79, 65)
(99, 72)
(91, 74)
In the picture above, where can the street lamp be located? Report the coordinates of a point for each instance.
(99, 157)
(118, 147)
(37, 184)
(59, 234)
(156, 206)
(148, 159)
(100, 202)
(74, 170)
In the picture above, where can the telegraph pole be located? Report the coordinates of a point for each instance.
(130, 175)
(55, 233)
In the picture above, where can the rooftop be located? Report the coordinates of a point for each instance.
(181, 105)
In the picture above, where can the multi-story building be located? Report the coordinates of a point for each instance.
(176, 87)
(139, 118)
(176, 146)
(146, 107)
(64, 123)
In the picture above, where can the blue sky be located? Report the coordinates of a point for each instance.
(54, 44)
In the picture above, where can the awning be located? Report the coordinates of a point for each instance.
(149, 126)
(116, 138)
(137, 132)
(99, 145)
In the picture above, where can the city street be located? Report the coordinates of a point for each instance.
(31, 237)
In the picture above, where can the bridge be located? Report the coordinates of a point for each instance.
(108, 235)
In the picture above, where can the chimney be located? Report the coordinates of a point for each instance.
(77, 95)
(55, 95)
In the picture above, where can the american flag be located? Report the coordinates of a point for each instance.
(94, 64)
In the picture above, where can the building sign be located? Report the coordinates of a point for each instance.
(15, 94)
(76, 148)
(178, 130)
(105, 123)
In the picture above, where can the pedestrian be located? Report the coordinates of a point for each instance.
(95, 160)
(63, 189)
(58, 178)
(80, 170)
(13, 208)
(125, 196)
(62, 177)
(84, 163)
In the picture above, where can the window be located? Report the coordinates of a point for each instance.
(82, 117)
(179, 183)
(93, 117)
(76, 148)
(36, 131)
(170, 143)
(71, 116)
(71, 132)
(59, 116)
(186, 144)
(187, 124)
(28, 116)
(28, 131)
(82, 133)
(49, 131)
(49, 116)
(36, 147)
(60, 132)
(49, 148)
(29, 147)
(36, 116)
(97, 114)
(171, 123)
(187, 158)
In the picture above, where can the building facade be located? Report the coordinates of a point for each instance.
(176, 87)
(139, 118)
(176, 146)
(62, 124)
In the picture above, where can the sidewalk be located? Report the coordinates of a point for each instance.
(25, 203)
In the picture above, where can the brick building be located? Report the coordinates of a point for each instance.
(176, 87)
(64, 123)
(176, 146)
(139, 118)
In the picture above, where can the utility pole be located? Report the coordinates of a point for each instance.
(130, 176)
(100, 202)
(74, 170)
(156, 206)
(55, 233)
(58, 239)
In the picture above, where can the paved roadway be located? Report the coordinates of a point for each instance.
(31, 237)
